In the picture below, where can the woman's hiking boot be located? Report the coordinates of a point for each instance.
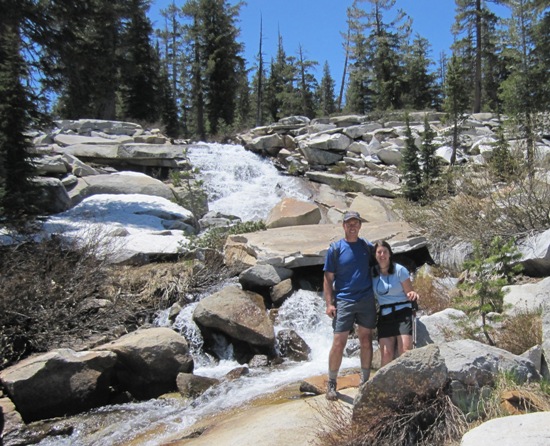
(331, 390)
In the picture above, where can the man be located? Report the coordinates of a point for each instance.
(349, 297)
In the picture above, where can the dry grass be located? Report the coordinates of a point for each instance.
(425, 421)
(432, 297)
(510, 398)
(520, 332)
(53, 295)
(477, 205)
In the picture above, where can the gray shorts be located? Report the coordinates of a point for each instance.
(362, 312)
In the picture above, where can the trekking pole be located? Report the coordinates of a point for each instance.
(414, 309)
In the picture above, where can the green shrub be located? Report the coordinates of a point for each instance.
(489, 271)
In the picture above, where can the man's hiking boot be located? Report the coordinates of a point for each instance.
(331, 390)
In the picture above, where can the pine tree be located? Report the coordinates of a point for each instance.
(215, 73)
(258, 83)
(541, 56)
(79, 56)
(410, 168)
(307, 84)
(173, 46)
(524, 90)
(456, 99)
(196, 123)
(17, 113)
(430, 164)
(491, 269)
(169, 110)
(283, 97)
(385, 43)
(221, 58)
(376, 54)
(478, 48)
(359, 90)
(244, 117)
(419, 83)
(140, 66)
(502, 164)
(290, 98)
(325, 93)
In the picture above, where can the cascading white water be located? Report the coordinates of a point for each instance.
(153, 420)
(242, 183)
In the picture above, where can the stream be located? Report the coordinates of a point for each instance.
(239, 183)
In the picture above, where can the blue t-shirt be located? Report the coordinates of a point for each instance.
(389, 289)
(351, 267)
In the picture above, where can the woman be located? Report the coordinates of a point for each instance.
(394, 292)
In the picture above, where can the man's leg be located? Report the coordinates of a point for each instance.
(335, 360)
(365, 342)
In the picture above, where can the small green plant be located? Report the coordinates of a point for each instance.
(545, 386)
(502, 165)
(489, 271)
(410, 167)
(346, 184)
(215, 238)
(175, 178)
(340, 168)
(194, 197)
(293, 169)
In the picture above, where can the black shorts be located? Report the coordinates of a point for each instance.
(361, 312)
(396, 323)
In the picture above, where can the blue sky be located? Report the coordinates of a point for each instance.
(316, 25)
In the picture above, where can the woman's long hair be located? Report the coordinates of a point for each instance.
(376, 269)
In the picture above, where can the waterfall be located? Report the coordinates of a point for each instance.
(239, 182)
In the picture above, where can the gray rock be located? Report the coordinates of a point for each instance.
(529, 429)
(270, 144)
(263, 276)
(528, 297)
(65, 140)
(53, 195)
(320, 156)
(49, 165)
(390, 155)
(292, 346)
(546, 342)
(149, 361)
(536, 254)
(86, 126)
(296, 246)
(348, 120)
(121, 183)
(214, 219)
(239, 314)
(295, 120)
(419, 372)
(440, 327)
(280, 292)
(473, 365)
(292, 212)
(192, 386)
(59, 382)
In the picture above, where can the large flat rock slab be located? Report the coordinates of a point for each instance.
(297, 246)
(296, 422)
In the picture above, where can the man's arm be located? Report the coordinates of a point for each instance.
(328, 292)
